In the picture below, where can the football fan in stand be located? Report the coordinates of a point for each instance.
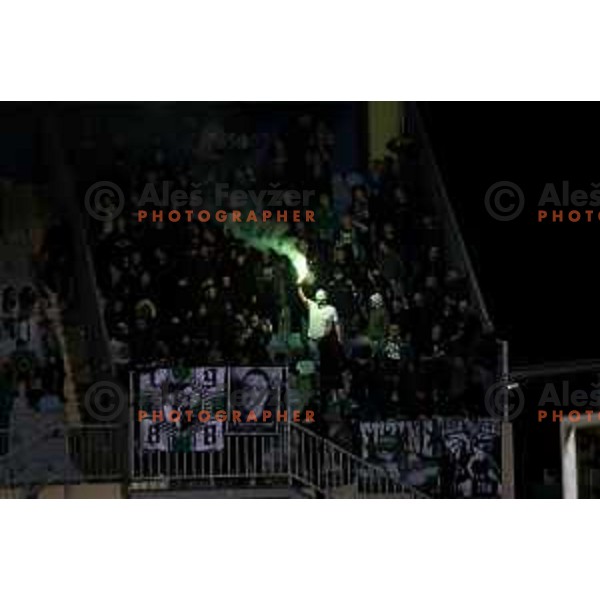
(324, 343)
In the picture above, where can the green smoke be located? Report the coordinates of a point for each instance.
(272, 237)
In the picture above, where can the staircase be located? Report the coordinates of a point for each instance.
(330, 471)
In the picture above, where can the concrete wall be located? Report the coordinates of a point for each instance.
(87, 491)
(384, 123)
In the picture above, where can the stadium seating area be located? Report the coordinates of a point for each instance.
(31, 357)
(193, 293)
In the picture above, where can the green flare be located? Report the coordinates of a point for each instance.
(300, 264)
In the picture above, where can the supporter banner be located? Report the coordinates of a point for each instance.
(191, 409)
(204, 437)
(170, 394)
(256, 393)
(455, 458)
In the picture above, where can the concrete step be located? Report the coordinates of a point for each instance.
(221, 493)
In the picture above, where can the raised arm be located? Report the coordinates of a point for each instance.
(302, 296)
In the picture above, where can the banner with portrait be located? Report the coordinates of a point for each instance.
(255, 394)
(191, 409)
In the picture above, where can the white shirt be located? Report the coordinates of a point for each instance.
(320, 320)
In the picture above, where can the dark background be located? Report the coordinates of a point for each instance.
(538, 279)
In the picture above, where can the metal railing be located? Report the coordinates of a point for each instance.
(332, 471)
(295, 457)
(243, 457)
(58, 455)
(98, 452)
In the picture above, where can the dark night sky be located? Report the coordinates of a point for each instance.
(538, 279)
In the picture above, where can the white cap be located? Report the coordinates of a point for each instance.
(376, 300)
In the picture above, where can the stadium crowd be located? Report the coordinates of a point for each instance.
(195, 293)
(30, 355)
(31, 358)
